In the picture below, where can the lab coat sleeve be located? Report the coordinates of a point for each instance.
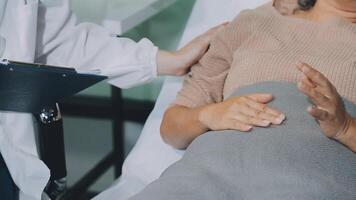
(63, 41)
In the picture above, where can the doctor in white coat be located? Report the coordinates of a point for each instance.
(46, 31)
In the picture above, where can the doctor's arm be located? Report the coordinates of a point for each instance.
(65, 42)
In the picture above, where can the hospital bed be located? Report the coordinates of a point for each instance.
(151, 156)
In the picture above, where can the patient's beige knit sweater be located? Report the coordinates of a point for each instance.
(264, 45)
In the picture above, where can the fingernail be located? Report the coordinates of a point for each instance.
(265, 123)
(300, 85)
(299, 64)
(280, 118)
(248, 128)
(305, 69)
(310, 108)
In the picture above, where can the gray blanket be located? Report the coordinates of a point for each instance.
(294, 161)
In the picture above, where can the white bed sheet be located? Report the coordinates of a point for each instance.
(151, 156)
(141, 166)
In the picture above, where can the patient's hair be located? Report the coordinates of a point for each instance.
(306, 4)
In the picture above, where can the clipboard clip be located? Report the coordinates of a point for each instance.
(49, 115)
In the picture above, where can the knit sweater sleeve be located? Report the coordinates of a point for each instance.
(205, 84)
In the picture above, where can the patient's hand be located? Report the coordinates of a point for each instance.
(241, 113)
(329, 109)
(181, 125)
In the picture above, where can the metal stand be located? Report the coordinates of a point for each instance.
(52, 140)
(52, 152)
(118, 130)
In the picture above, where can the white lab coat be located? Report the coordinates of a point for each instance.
(46, 31)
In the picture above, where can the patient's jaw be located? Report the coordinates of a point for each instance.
(325, 9)
(346, 5)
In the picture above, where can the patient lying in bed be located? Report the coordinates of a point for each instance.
(247, 82)
(265, 45)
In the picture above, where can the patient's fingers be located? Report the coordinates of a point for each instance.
(322, 84)
(308, 82)
(314, 95)
(241, 113)
(272, 118)
(258, 118)
(246, 115)
(261, 97)
(237, 125)
(319, 114)
(315, 76)
(266, 112)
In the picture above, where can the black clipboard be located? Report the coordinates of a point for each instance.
(30, 88)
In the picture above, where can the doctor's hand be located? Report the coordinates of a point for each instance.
(328, 109)
(179, 63)
(241, 113)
